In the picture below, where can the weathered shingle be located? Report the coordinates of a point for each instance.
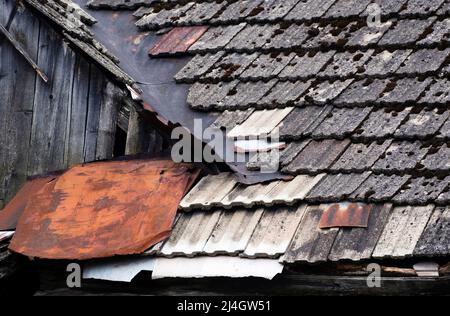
(422, 124)
(438, 93)
(346, 64)
(271, 10)
(382, 123)
(438, 158)
(440, 33)
(422, 190)
(247, 94)
(284, 93)
(347, 8)
(424, 61)
(402, 232)
(421, 7)
(310, 243)
(325, 92)
(435, 239)
(216, 38)
(237, 11)
(288, 37)
(197, 67)
(252, 37)
(309, 9)
(341, 122)
(306, 65)
(317, 156)
(206, 96)
(358, 243)
(386, 62)
(404, 90)
(362, 92)
(360, 157)
(267, 66)
(406, 32)
(230, 66)
(379, 188)
(401, 156)
(302, 121)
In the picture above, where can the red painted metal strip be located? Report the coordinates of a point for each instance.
(178, 40)
(103, 210)
(346, 215)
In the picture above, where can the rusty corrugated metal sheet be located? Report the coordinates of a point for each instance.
(178, 40)
(10, 215)
(102, 210)
(346, 215)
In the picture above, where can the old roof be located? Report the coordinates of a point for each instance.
(102, 209)
(361, 106)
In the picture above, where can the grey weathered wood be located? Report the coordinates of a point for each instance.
(310, 243)
(108, 121)
(358, 243)
(138, 134)
(76, 122)
(95, 100)
(51, 104)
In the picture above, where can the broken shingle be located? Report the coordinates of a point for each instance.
(252, 37)
(247, 94)
(425, 123)
(424, 61)
(347, 8)
(386, 62)
(438, 158)
(406, 32)
(439, 35)
(362, 92)
(306, 65)
(382, 123)
(368, 35)
(309, 9)
(284, 93)
(401, 156)
(325, 91)
(216, 38)
(379, 188)
(317, 156)
(271, 10)
(404, 90)
(360, 157)
(207, 96)
(266, 66)
(336, 187)
(438, 93)
(421, 190)
(341, 122)
(198, 66)
(421, 7)
(302, 121)
(346, 64)
(230, 67)
(435, 239)
(288, 37)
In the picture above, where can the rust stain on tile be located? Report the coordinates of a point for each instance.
(102, 210)
(178, 40)
(346, 215)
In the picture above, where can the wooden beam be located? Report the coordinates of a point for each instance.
(22, 52)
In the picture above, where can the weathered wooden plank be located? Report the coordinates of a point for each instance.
(76, 122)
(310, 243)
(52, 102)
(6, 8)
(358, 243)
(108, 121)
(402, 232)
(22, 80)
(435, 239)
(95, 99)
(137, 137)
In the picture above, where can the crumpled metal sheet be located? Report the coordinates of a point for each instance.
(103, 210)
(10, 215)
(346, 215)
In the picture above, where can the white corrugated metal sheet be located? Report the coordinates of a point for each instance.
(119, 270)
(203, 267)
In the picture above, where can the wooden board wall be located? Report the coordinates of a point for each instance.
(49, 126)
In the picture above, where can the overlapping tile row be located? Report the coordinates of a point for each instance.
(174, 13)
(292, 234)
(367, 187)
(348, 93)
(381, 67)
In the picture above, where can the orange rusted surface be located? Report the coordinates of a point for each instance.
(102, 210)
(346, 215)
(178, 40)
(10, 215)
